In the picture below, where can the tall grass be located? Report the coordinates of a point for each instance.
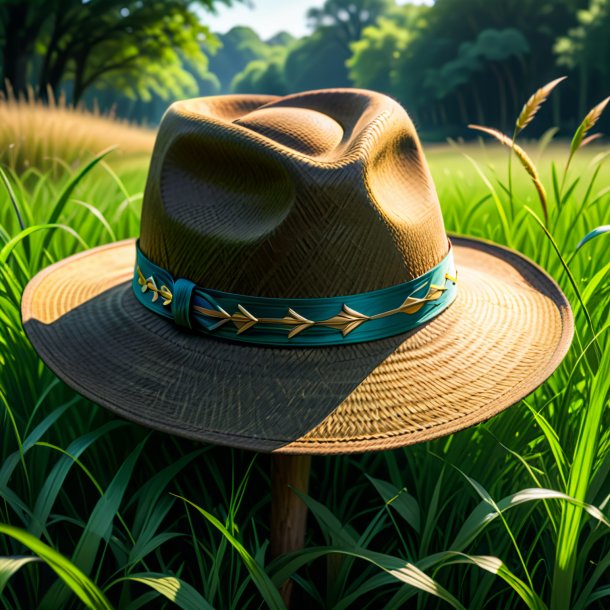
(44, 136)
(512, 513)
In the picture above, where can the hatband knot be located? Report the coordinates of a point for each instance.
(181, 302)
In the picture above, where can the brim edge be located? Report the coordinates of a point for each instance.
(332, 447)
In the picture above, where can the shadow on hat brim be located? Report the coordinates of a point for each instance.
(507, 331)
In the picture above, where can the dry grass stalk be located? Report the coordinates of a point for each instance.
(525, 160)
(591, 138)
(587, 124)
(35, 134)
(531, 107)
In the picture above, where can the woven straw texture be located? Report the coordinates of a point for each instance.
(313, 195)
(505, 334)
(318, 194)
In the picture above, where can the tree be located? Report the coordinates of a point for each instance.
(485, 77)
(347, 18)
(539, 22)
(586, 49)
(317, 61)
(374, 57)
(263, 76)
(128, 41)
(281, 39)
(20, 25)
(489, 52)
(237, 48)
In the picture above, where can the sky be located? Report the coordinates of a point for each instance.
(267, 17)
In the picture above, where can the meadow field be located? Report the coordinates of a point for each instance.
(99, 512)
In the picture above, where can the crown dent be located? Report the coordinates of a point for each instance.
(307, 131)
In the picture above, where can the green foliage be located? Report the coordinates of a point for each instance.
(86, 590)
(466, 60)
(377, 54)
(317, 61)
(263, 76)
(489, 46)
(135, 47)
(450, 63)
(237, 48)
(260, 578)
(584, 44)
(176, 590)
(346, 19)
(281, 39)
(378, 49)
(512, 513)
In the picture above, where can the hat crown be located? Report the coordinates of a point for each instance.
(317, 194)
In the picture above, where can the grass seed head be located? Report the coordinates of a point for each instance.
(524, 159)
(587, 124)
(531, 107)
(580, 135)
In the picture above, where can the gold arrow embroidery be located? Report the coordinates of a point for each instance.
(413, 305)
(301, 323)
(148, 283)
(346, 320)
(220, 313)
(243, 320)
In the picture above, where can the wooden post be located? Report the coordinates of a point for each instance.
(288, 512)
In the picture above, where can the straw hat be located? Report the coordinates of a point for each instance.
(295, 290)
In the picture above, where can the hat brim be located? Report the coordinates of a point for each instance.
(507, 331)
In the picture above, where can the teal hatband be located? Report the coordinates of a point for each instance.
(296, 322)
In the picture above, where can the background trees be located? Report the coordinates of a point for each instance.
(239, 46)
(450, 63)
(134, 47)
(585, 50)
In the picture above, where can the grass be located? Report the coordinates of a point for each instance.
(513, 513)
(41, 136)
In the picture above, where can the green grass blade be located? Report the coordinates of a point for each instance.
(568, 273)
(330, 525)
(553, 441)
(55, 479)
(6, 250)
(263, 583)
(152, 507)
(592, 234)
(496, 199)
(64, 197)
(399, 569)
(381, 579)
(485, 513)
(12, 460)
(599, 593)
(98, 216)
(11, 195)
(496, 566)
(585, 598)
(401, 501)
(176, 590)
(11, 416)
(99, 525)
(73, 578)
(585, 455)
(11, 565)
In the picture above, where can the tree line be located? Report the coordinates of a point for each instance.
(454, 62)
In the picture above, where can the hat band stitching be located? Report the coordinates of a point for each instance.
(300, 321)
